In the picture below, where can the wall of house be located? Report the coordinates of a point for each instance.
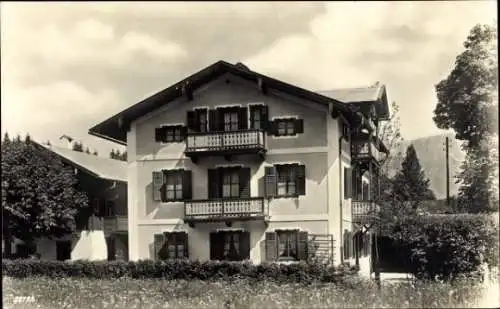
(317, 148)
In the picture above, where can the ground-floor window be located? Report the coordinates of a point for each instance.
(171, 245)
(286, 245)
(230, 245)
(63, 250)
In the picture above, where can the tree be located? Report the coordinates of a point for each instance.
(468, 104)
(39, 194)
(95, 153)
(410, 184)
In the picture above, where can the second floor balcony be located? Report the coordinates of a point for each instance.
(225, 209)
(366, 150)
(225, 143)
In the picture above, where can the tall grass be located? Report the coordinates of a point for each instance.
(155, 293)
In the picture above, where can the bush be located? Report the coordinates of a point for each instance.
(176, 269)
(445, 246)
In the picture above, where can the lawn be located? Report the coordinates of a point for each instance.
(239, 293)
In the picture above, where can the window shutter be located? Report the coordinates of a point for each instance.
(244, 182)
(303, 246)
(264, 114)
(191, 121)
(212, 120)
(245, 245)
(216, 246)
(299, 126)
(213, 183)
(184, 241)
(242, 118)
(187, 188)
(270, 179)
(300, 183)
(272, 127)
(158, 243)
(349, 175)
(159, 134)
(271, 246)
(157, 185)
(346, 245)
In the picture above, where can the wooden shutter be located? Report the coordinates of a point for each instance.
(272, 127)
(191, 121)
(270, 181)
(345, 244)
(244, 177)
(216, 246)
(183, 132)
(187, 188)
(212, 120)
(245, 245)
(158, 243)
(302, 245)
(182, 238)
(349, 175)
(242, 118)
(299, 126)
(347, 183)
(159, 134)
(213, 183)
(157, 185)
(300, 181)
(264, 117)
(271, 246)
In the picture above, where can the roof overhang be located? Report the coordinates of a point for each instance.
(116, 127)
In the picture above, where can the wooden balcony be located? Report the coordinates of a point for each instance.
(108, 224)
(365, 150)
(228, 210)
(364, 212)
(225, 143)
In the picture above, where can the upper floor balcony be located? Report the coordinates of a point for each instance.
(225, 143)
(366, 150)
(364, 212)
(225, 209)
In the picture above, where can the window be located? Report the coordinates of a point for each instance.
(110, 208)
(202, 120)
(347, 183)
(231, 121)
(366, 192)
(287, 245)
(170, 134)
(255, 117)
(173, 134)
(231, 246)
(286, 180)
(171, 245)
(230, 183)
(172, 185)
(285, 127)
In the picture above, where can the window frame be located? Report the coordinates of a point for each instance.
(290, 179)
(231, 122)
(178, 174)
(173, 239)
(291, 238)
(234, 182)
(176, 134)
(289, 126)
(201, 119)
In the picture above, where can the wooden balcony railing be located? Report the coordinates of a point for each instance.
(365, 150)
(225, 209)
(108, 224)
(225, 141)
(364, 210)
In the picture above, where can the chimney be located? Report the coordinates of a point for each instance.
(69, 140)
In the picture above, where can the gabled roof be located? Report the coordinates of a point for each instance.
(370, 94)
(115, 127)
(100, 167)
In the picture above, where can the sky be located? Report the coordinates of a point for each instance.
(68, 66)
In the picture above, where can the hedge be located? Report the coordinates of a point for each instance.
(447, 246)
(177, 269)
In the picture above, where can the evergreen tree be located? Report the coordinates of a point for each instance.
(410, 184)
(78, 147)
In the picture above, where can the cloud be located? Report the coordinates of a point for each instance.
(409, 46)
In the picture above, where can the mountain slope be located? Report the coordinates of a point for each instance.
(432, 157)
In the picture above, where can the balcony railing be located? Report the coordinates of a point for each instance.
(225, 209)
(108, 224)
(225, 141)
(364, 210)
(365, 150)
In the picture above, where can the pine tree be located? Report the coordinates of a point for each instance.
(78, 147)
(410, 184)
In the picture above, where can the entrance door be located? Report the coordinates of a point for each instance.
(230, 245)
(63, 250)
